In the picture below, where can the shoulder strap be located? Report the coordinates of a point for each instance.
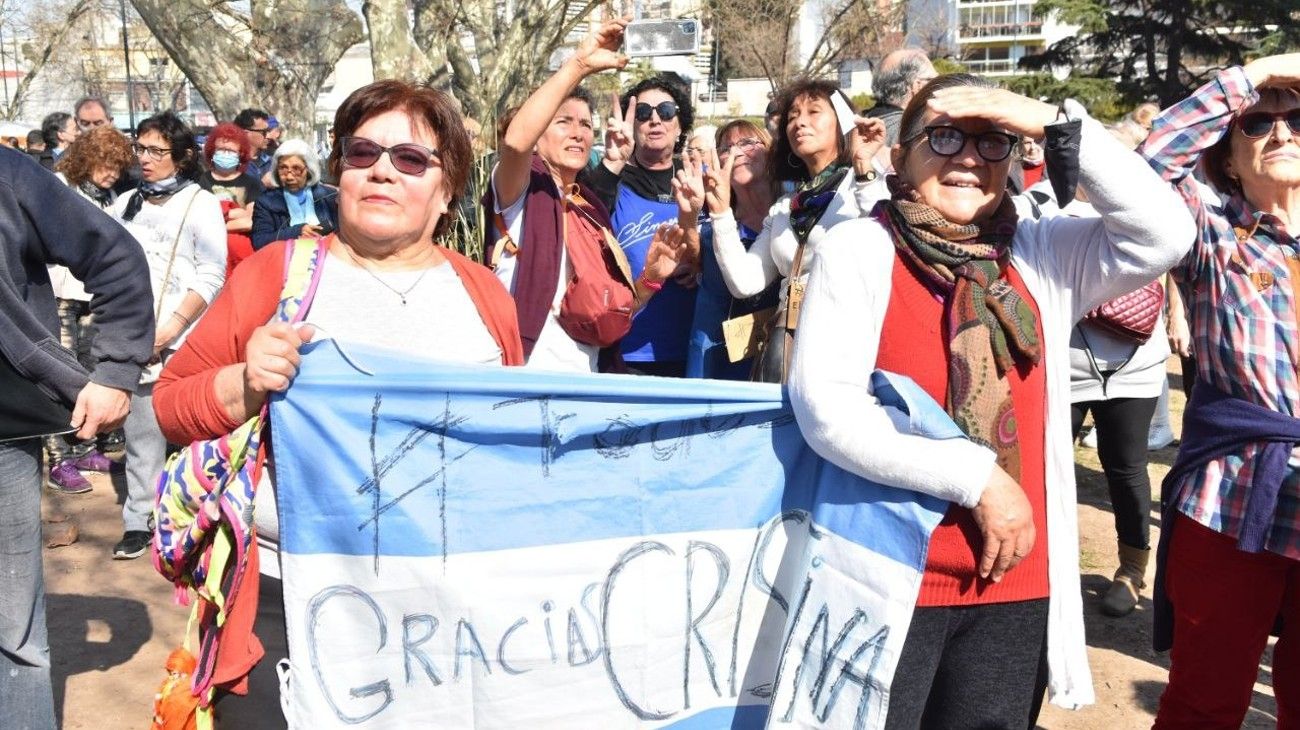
(303, 261)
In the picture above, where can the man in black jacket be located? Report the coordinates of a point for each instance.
(44, 222)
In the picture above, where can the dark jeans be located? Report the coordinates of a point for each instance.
(971, 667)
(26, 695)
(1122, 425)
(260, 708)
(77, 333)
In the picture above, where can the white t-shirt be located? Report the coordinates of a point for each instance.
(555, 349)
(438, 322)
(200, 261)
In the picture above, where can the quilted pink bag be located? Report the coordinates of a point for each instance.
(1133, 315)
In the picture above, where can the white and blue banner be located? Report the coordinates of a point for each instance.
(503, 548)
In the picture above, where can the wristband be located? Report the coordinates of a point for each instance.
(651, 285)
(184, 320)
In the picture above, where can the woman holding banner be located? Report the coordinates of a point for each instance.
(946, 285)
(402, 159)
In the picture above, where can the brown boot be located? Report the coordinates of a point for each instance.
(1130, 579)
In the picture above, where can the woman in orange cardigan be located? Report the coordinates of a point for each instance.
(402, 159)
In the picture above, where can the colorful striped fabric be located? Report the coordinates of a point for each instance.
(1240, 298)
(203, 508)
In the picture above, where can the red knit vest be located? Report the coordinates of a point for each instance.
(913, 343)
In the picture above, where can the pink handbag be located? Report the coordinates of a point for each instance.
(1133, 315)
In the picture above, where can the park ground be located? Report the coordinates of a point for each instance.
(112, 623)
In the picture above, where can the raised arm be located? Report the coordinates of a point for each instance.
(598, 52)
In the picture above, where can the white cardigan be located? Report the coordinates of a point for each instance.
(750, 272)
(1069, 265)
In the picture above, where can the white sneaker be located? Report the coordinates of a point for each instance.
(1161, 435)
(1089, 439)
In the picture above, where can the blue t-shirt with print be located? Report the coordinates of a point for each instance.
(661, 329)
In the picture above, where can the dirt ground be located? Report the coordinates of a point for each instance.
(112, 623)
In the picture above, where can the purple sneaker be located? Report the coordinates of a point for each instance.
(94, 461)
(65, 478)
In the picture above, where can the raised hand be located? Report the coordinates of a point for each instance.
(868, 137)
(618, 132)
(688, 189)
(1005, 109)
(1283, 70)
(666, 253)
(599, 50)
(717, 182)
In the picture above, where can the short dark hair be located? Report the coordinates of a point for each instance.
(583, 94)
(51, 125)
(428, 107)
(83, 101)
(179, 137)
(681, 97)
(247, 117)
(782, 165)
(35, 137)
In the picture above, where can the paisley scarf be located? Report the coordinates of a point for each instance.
(989, 326)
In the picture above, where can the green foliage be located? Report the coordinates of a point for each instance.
(1164, 48)
(863, 101)
(466, 234)
(946, 65)
(1101, 97)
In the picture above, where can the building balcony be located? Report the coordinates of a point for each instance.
(999, 67)
(1032, 30)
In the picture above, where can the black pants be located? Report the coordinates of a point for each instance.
(971, 668)
(260, 708)
(1122, 425)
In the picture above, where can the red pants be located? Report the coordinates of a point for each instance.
(1225, 603)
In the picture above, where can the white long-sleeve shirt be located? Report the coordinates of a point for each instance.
(200, 264)
(750, 272)
(1069, 265)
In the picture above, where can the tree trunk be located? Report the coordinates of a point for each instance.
(38, 63)
(274, 58)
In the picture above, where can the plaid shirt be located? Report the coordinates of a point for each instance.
(1240, 296)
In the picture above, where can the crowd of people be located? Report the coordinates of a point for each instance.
(1024, 264)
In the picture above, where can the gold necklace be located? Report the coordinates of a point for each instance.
(401, 293)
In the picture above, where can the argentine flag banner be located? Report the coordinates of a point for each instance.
(505, 548)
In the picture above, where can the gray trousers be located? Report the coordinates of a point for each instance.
(146, 453)
(26, 695)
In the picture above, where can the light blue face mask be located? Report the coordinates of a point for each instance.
(225, 159)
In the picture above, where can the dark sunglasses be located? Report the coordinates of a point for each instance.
(666, 110)
(408, 158)
(948, 141)
(1260, 124)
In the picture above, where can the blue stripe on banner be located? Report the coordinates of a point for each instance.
(409, 458)
(743, 717)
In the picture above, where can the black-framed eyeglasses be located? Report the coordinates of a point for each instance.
(745, 145)
(666, 110)
(156, 153)
(407, 158)
(947, 141)
(260, 130)
(1260, 124)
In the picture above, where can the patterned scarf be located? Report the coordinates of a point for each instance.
(989, 326)
(812, 199)
(103, 196)
(152, 190)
